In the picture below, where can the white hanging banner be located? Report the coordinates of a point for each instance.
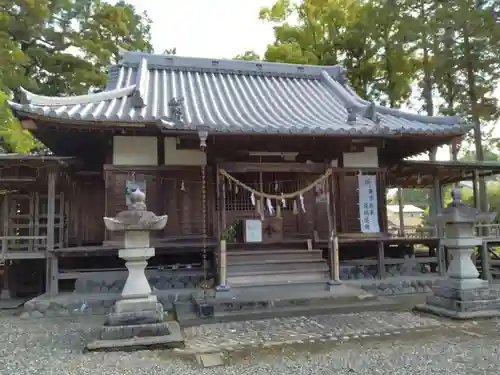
(368, 210)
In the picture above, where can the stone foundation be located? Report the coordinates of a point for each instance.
(73, 304)
(410, 267)
(158, 280)
(457, 301)
(396, 286)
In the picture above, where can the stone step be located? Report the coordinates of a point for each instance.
(136, 330)
(300, 307)
(263, 255)
(272, 278)
(279, 290)
(278, 266)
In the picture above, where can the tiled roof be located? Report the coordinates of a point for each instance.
(233, 96)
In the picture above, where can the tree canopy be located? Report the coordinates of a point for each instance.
(62, 47)
(448, 49)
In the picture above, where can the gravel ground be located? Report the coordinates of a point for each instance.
(43, 347)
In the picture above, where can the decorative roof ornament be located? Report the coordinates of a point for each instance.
(371, 113)
(342, 78)
(137, 100)
(175, 113)
(141, 84)
(122, 51)
(351, 115)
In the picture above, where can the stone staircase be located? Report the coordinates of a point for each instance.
(275, 266)
(268, 281)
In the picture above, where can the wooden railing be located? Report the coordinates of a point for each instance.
(20, 247)
(413, 232)
(488, 231)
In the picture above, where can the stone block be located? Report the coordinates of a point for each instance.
(478, 294)
(135, 318)
(174, 339)
(210, 359)
(130, 331)
(136, 304)
(475, 305)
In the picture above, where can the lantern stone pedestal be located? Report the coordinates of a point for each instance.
(137, 320)
(462, 295)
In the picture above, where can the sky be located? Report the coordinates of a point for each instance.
(201, 28)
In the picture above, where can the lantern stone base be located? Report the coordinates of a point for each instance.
(451, 300)
(137, 328)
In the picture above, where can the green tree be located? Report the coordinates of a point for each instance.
(315, 37)
(367, 37)
(61, 47)
(248, 55)
(469, 66)
(397, 63)
(14, 137)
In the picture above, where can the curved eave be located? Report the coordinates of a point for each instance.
(438, 120)
(59, 115)
(41, 100)
(48, 114)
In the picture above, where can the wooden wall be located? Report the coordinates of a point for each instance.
(86, 209)
(176, 192)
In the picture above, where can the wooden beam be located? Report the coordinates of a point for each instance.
(16, 179)
(401, 213)
(381, 261)
(273, 167)
(485, 263)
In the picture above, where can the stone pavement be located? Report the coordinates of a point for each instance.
(323, 328)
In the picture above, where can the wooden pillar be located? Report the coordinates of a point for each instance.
(333, 243)
(222, 285)
(221, 227)
(401, 213)
(52, 277)
(437, 210)
(381, 260)
(5, 293)
(221, 202)
(382, 201)
(475, 183)
(5, 222)
(485, 262)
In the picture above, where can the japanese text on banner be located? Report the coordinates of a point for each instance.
(368, 209)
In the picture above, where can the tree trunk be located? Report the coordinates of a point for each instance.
(427, 93)
(471, 83)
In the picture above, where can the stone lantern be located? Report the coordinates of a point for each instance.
(137, 318)
(462, 294)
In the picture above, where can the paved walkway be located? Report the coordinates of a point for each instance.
(322, 328)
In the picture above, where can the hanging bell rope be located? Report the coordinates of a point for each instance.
(277, 196)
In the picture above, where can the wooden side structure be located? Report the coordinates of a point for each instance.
(34, 215)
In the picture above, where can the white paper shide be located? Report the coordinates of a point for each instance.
(368, 210)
